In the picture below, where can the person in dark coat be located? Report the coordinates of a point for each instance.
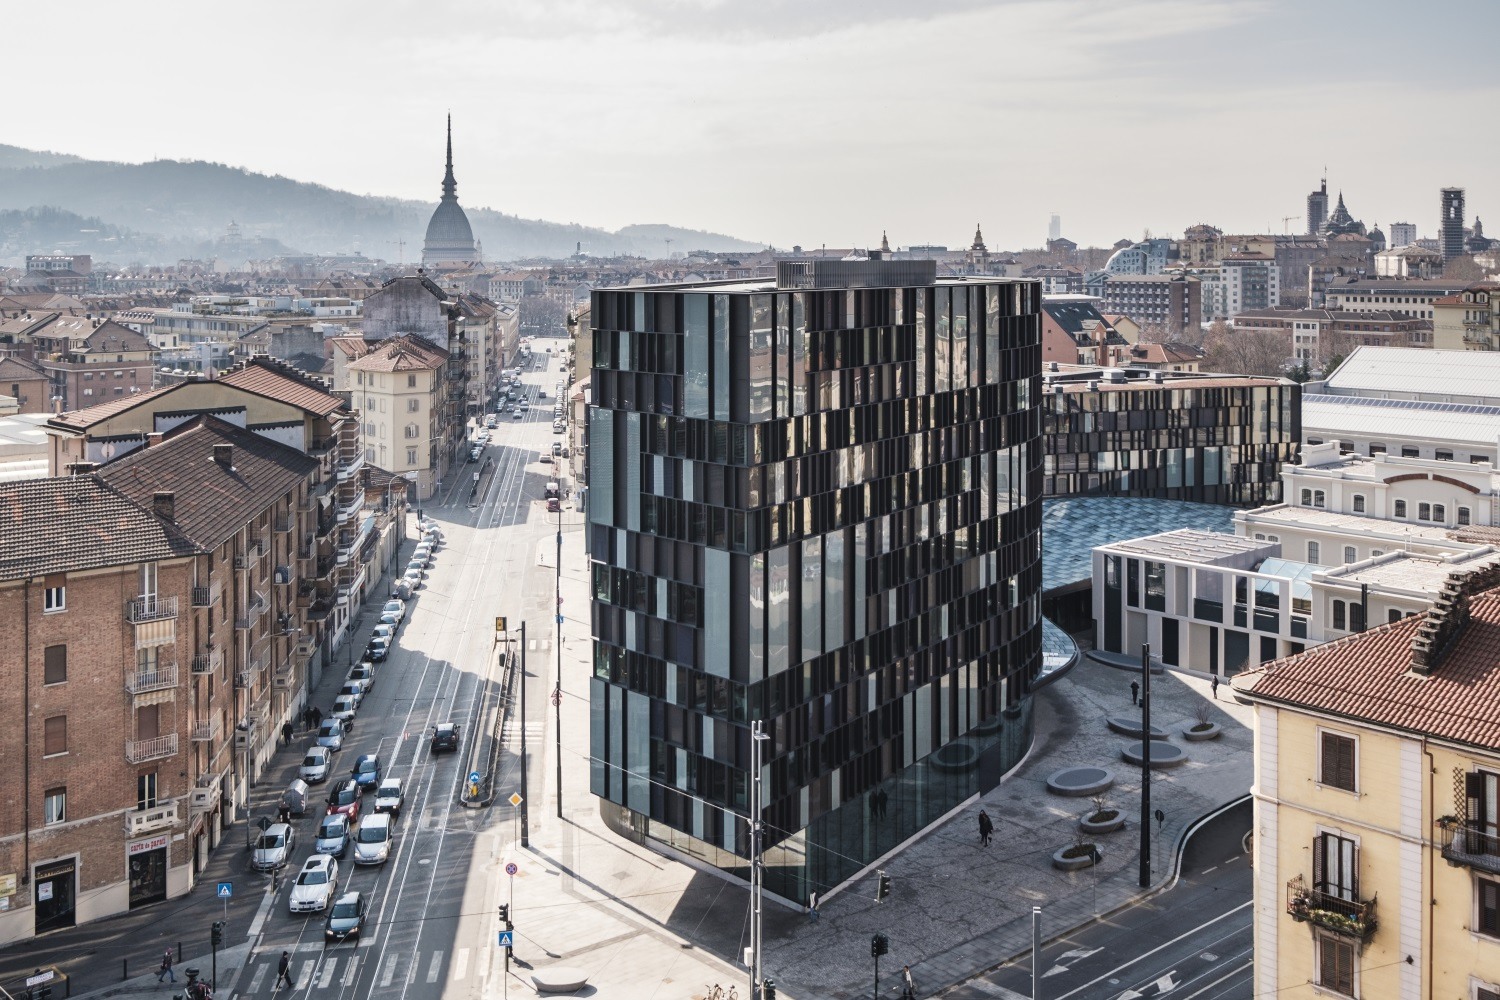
(284, 972)
(985, 828)
(166, 967)
(1135, 692)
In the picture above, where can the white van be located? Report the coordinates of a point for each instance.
(372, 844)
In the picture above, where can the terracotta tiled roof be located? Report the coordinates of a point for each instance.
(401, 354)
(19, 368)
(1368, 677)
(212, 502)
(276, 380)
(76, 523)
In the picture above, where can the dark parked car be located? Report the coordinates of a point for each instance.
(445, 738)
(346, 919)
(366, 772)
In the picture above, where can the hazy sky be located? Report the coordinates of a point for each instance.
(798, 121)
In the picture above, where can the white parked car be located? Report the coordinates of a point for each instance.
(315, 885)
(388, 796)
(315, 765)
(395, 607)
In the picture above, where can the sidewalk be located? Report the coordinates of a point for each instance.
(647, 926)
(121, 954)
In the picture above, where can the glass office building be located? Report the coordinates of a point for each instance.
(814, 501)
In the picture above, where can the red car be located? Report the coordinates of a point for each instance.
(344, 799)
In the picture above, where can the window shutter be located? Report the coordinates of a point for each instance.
(1473, 797)
(1320, 852)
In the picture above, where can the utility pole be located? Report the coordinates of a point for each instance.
(525, 832)
(1036, 953)
(757, 737)
(557, 691)
(1145, 765)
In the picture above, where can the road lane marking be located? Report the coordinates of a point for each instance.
(257, 979)
(460, 964)
(1228, 975)
(1166, 944)
(1207, 870)
(434, 967)
(411, 971)
(389, 971)
(349, 973)
(326, 980)
(305, 971)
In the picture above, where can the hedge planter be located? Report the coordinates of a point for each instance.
(1201, 732)
(1103, 821)
(1077, 857)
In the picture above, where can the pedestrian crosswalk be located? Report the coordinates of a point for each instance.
(340, 966)
(534, 731)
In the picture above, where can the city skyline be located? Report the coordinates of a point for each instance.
(1149, 114)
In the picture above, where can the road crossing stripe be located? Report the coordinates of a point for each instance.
(305, 971)
(389, 971)
(353, 968)
(411, 971)
(460, 964)
(258, 978)
(327, 978)
(434, 967)
(307, 946)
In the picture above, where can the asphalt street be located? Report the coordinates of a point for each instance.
(1192, 940)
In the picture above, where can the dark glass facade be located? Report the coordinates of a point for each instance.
(1209, 439)
(819, 507)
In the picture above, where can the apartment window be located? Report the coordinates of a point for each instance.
(55, 806)
(1400, 508)
(413, 431)
(1320, 499)
(1313, 552)
(1439, 513)
(148, 579)
(369, 454)
(1359, 503)
(1351, 554)
(1377, 449)
(411, 381)
(145, 791)
(1336, 965)
(1475, 459)
(1336, 754)
(413, 405)
(1424, 512)
(55, 735)
(55, 670)
(1408, 452)
(1443, 455)
(1307, 498)
(1487, 903)
(1463, 515)
(55, 599)
(1376, 552)
(1356, 616)
(1336, 866)
(411, 456)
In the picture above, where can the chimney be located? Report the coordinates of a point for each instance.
(224, 455)
(153, 439)
(164, 505)
(80, 468)
(1442, 626)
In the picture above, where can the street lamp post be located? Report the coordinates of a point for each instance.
(525, 804)
(557, 691)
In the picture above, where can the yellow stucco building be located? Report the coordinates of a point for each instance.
(1377, 808)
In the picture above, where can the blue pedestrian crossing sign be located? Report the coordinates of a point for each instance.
(507, 939)
(473, 777)
(226, 889)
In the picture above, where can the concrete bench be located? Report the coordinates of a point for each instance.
(559, 979)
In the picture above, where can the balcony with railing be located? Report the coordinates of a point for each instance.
(158, 678)
(207, 663)
(350, 466)
(205, 732)
(1351, 918)
(348, 510)
(326, 523)
(319, 609)
(160, 816)
(252, 611)
(322, 446)
(1468, 846)
(150, 608)
(281, 523)
(140, 751)
(204, 795)
(326, 566)
(254, 549)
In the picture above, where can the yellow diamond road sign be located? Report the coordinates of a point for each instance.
(515, 798)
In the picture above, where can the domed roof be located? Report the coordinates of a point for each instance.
(449, 236)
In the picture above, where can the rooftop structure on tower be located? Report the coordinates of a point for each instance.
(449, 238)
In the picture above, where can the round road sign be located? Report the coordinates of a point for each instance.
(511, 868)
(473, 776)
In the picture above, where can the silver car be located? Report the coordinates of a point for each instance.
(315, 765)
(273, 848)
(333, 835)
(331, 734)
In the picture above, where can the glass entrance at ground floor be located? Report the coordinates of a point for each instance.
(55, 891)
(148, 877)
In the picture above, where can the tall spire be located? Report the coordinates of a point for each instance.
(450, 186)
(885, 244)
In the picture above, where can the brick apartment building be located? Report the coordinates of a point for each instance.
(91, 360)
(150, 619)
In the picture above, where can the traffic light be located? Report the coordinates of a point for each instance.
(884, 889)
(879, 945)
(43, 992)
(768, 989)
(216, 934)
(505, 914)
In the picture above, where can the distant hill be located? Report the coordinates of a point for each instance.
(192, 203)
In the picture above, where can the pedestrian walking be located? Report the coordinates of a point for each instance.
(812, 907)
(985, 828)
(286, 733)
(284, 972)
(1215, 685)
(166, 967)
(283, 815)
(1135, 692)
(883, 798)
(317, 717)
(908, 988)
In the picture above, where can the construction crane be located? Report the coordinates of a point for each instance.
(1286, 222)
(400, 246)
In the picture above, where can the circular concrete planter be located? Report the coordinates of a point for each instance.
(1103, 826)
(1126, 726)
(1080, 782)
(1163, 755)
(1195, 735)
(1079, 863)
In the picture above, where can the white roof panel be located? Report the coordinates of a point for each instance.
(1356, 416)
(1445, 376)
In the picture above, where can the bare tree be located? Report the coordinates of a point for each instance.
(1463, 269)
(1246, 352)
